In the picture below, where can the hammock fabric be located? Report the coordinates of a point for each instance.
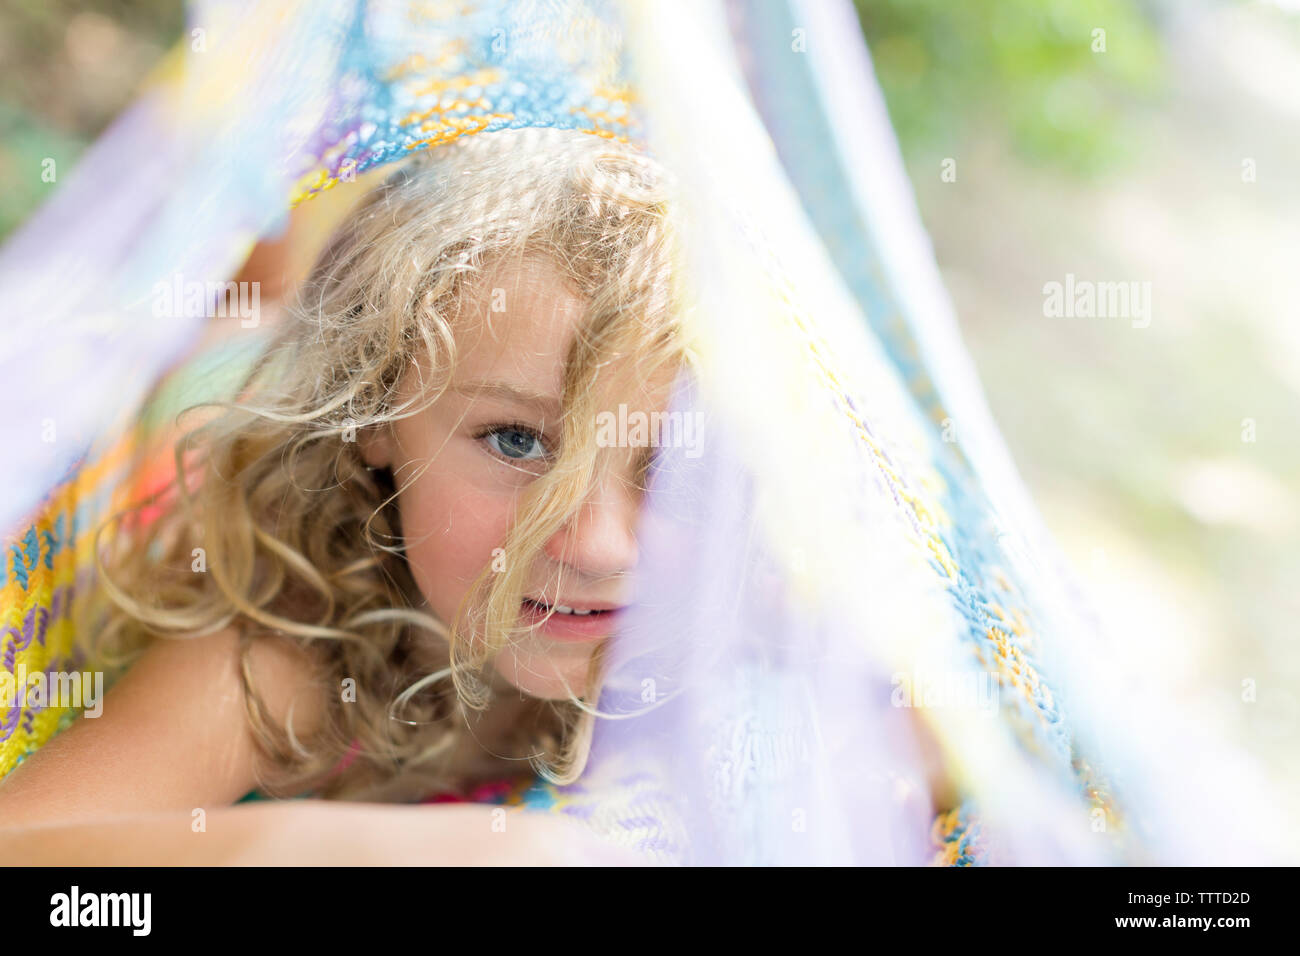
(790, 603)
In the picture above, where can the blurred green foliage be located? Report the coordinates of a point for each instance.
(69, 67)
(1024, 70)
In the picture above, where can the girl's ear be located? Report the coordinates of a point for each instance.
(375, 443)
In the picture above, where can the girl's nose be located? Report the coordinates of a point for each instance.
(600, 538)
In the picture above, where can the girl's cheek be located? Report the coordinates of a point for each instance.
(453, 528)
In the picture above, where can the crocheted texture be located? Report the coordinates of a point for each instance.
(37, 579)
(414, 77)
(959, 839)
(633, 811)
(999, 630)
(43, 568)
(492, 66)
(629, 811)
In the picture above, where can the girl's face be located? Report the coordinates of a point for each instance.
(485, 440)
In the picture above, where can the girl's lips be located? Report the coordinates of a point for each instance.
(572, 627)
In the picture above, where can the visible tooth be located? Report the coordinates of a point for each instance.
(564, 609)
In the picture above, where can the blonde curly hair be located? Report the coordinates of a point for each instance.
(301, 539)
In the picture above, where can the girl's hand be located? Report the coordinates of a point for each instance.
(525, 838)
(316, 833)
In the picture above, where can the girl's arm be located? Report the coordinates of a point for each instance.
(172, 735)
(316, 833)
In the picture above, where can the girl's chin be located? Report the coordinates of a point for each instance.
(555, 676)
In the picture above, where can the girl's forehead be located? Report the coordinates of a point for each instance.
(515, 327)
(516, 286)
(518, 320)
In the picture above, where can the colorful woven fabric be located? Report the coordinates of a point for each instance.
(958, 837)
(435, 79)
(856, 524)
(402, 79)
(44, 567)
(36, 586)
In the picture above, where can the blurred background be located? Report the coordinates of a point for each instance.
(1111, 140)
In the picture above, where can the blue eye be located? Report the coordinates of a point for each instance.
(517, 444)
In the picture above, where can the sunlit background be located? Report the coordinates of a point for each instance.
(1111, 140)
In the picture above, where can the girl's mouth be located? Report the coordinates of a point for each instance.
(565, 622)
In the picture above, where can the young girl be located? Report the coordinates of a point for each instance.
(389, 570)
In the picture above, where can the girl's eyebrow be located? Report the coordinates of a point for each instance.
(510, 392)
